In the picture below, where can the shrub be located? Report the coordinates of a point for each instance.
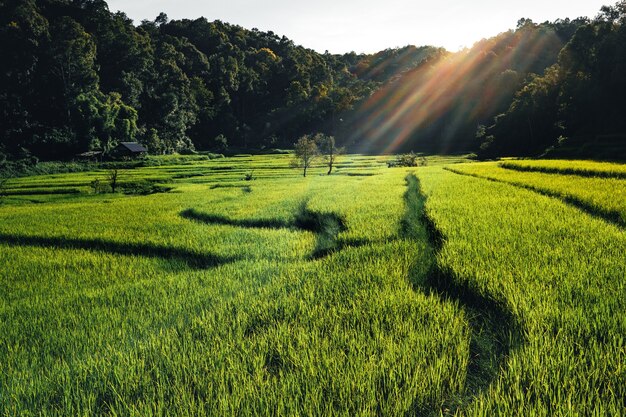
(408, 160)
(99, 187)
(143, 188)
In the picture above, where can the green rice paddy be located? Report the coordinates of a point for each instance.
(451, 289)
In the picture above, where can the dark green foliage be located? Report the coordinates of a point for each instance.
(143, 188)
(99, 187)
(23, 161)
(529, 125)
(576, 103)
(220, 143)
(436, 105)
(390, 63)
(329, 150)
(75, 77)
(305, 153)
(408, 160)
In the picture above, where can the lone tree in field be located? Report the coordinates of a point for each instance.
(328, 149)
(306, 152)
(113, 177)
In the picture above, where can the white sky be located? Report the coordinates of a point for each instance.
(368, 25)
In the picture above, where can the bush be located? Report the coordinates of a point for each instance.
(177, 159)
(143, 188)
(408, 160)
(220, 143)
(99, 187)
(211, 155)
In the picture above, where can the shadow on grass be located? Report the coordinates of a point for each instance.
(358, 174)
(325, 225)
(495, 332)
(610, 216)
(41, 191)
(323, 249)
(236, 184)
(192, 214)
(564, 171)
(189, 258)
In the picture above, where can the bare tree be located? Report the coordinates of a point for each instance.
(329, 150)
(113, 177)
(306, 152)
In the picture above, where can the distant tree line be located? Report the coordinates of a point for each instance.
(75, 77)
(579, 100)
(438, 105)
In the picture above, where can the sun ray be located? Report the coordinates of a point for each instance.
(445, 94)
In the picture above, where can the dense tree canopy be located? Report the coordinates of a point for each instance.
(75, 77)
(576, 103)
(437, 105)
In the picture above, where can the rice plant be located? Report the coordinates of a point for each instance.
(601, 196)
(560, 272)
(371, 291)
(582, 168)
(208, 300)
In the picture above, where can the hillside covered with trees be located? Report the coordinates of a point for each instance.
(577, 103)
(76, 77)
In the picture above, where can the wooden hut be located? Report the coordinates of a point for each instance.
(129, 150)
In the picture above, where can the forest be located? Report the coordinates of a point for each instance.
(75, 77)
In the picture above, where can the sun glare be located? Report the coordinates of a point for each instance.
(402, 109)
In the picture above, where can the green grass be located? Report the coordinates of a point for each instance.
(602, 196)
(373, 291)
(124, 305)
(558, 166)
(559, 272)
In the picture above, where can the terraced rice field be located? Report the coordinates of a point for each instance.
(467, 289)
(602, 195)
(582, 168)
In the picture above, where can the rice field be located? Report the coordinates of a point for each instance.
(560, 272)
(235, 286)
(600, 195)
(581, 168)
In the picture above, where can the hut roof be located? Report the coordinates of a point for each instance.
(133, 147)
